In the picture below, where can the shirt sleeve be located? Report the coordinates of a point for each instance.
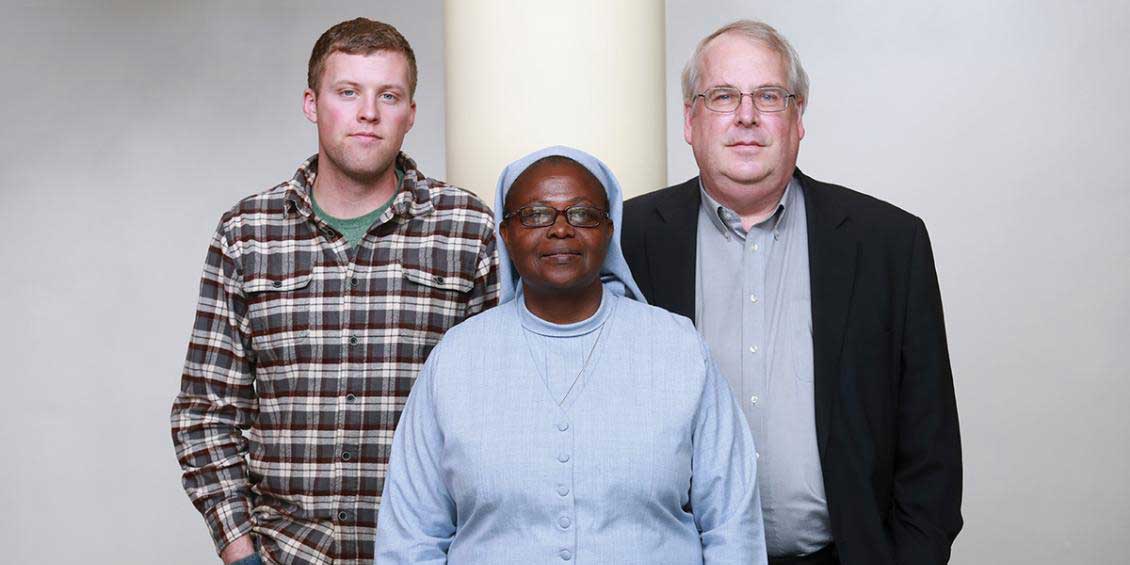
(484, 293)
(416, 523)
(724, 491)
(217, 400)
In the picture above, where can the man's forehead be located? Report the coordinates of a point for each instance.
(734, 48)
(365, 66)
(737, 59)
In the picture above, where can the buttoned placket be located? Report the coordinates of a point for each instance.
(562, 428)
(355, 348)
(352, 346)
(757, 245)
(754, 366)
(566, 504)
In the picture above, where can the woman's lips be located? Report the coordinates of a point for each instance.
(563, 256)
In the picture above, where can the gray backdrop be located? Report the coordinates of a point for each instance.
(128, 127)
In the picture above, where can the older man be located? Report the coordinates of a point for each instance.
(320, 300)
(822, 308)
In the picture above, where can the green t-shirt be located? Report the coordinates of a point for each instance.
(354, 229)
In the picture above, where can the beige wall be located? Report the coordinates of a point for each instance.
(523, 75)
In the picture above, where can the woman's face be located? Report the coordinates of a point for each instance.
(559, 258)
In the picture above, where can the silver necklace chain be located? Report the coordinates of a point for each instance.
(584, 365)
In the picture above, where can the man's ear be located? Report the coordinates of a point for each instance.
(688, 130)
(310, 105)
(800, 121)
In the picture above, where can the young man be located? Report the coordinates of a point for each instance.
(821, 306)
(319, 302)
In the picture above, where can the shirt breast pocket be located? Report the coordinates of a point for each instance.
(279, 306)
(436, 299)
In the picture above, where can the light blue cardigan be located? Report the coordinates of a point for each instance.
(650, 462)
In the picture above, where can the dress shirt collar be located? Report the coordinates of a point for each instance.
(729, 223)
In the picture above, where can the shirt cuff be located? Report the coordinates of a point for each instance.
(228, 520)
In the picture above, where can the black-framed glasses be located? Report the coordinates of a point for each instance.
(726, 99)
(541, 216)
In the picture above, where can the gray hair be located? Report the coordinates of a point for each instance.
(755, 31)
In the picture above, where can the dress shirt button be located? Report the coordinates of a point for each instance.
(353, 340)
(346, 456)
(563, 490)
(566, 554)
(438, 279)
(753, 298)
(353, 282)
(343, 515)
(776, 235)
(753, 349)
(754, 247)
(276, 284)
(562, 426)
(753, 400)
(564, 522)
(350, 398)
(564, 457)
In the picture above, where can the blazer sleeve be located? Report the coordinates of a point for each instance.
(416, 523)
(927, 477)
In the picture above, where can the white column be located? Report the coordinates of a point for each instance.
(522, 75)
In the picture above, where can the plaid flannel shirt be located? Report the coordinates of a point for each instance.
(313, 347)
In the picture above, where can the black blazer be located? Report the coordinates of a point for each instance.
(886, 418)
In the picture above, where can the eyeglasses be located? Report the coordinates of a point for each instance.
(542, 216)
(727, 99)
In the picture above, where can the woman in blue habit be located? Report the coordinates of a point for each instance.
(573, 423)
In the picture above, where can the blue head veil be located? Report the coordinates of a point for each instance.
(614, 273)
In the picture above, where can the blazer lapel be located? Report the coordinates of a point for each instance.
(833, 251)
(671, 249)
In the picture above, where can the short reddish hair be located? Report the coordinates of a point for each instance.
(359, 36)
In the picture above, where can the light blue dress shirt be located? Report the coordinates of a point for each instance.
(647, 460)
(754, 309)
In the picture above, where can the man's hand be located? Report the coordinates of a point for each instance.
(238, 549)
